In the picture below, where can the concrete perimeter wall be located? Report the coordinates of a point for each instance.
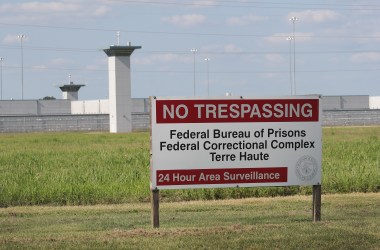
(346, 102)
(141, 121)
(46, 123)
(35, 107)
(368, 117)
(93, 115)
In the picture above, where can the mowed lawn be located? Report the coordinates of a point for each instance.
(349, 221)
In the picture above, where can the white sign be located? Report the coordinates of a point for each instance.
(229, 142)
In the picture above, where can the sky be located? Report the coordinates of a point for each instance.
(336, 47)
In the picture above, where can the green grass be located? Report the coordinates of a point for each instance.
(103, 168)
(351, 159)
(73, 168)
(349, 221)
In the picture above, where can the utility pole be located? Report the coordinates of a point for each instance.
(21, 37)
(193, 50)
(1, 76)
(293, 20)
(289, 38)
(208, 76)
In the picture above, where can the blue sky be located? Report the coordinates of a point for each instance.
(337, 46)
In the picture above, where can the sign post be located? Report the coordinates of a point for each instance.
(317, 193)
(156, 208)
(236, 142)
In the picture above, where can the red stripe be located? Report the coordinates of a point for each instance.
(239, 110)
(221, 176)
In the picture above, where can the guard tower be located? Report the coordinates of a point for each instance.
(119, 77)
(70, 91)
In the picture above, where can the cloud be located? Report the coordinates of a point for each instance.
(189, 20)
(269, 75)
(226, 48)
(193, 4)
(281, 37)
(231, 48)
(316, 16)
(142, 60)
(43, 7)
(365, 57)
(56, 62)
(93, 67)
(101, 11)
(205, 3)
(170, 57)
(162, 58)
(274, 58)
(12, 39)
(245, 20)
(60, 61)
(39, 67)
(376, 36)
(41, 10)
(98, 64)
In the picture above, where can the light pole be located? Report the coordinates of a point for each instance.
(293, 20)
(208, 76)
(289, 38)
(1, 77)
(21, 37)
(193, 50)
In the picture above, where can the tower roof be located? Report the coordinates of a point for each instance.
(116, 50)
(71, 87)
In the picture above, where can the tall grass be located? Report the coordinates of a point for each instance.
(93, 168)
(351, 159)
(73, 168)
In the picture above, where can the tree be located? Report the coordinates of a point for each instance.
(48, 98)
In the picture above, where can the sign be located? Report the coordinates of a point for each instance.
(229, 142)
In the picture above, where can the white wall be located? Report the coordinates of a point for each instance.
(90, 107)
(345, 102)
(140, 105)
(34, 107)
(374, 102)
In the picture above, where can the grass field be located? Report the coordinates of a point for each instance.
(102, 168)
(349, 221)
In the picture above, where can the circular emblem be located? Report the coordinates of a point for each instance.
(306, 168)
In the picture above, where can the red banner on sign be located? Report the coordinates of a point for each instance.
(221, 176)
(238, 110)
